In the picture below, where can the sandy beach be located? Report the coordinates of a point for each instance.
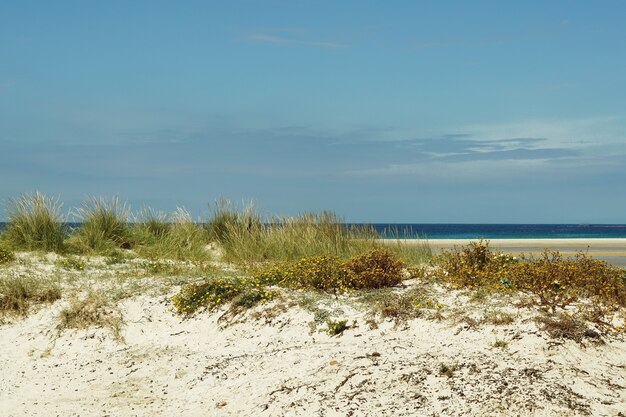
(463, 356)
(611, 250)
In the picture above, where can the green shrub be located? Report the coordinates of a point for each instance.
(377, 268)
(34, 223)
(336, 327)
(6, 256)
(104, 224)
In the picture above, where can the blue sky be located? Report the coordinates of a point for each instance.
(399, 111)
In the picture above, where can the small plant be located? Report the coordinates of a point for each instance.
(336, 327)
(17, 295)
(35, 223)
(565, 326)
(501, 344)
(73, 262)
(447, 370)
(498, 317)
(93, 310)
(6, 256)
(115, 257)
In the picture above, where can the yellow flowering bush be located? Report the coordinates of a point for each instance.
(554, 281)
(217, 291)
(377, 268)
(558, 282)
(475, 265)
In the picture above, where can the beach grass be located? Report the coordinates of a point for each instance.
(104, 225)
(35, 222)
(245, 238)
(19, 294)
(175, 236)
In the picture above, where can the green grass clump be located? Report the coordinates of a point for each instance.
(34, 223)
(104, 225)
(245, 238)
(179, 238)
(17, 295)
(6, 256)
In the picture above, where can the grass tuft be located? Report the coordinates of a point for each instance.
(104, 225)
(34, 223)
(177, 237)
(93, 310)
(17, 295)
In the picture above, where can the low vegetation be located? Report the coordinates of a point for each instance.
(6, 256)
(553, 282)
(93, 310)
(19, 294)
(309, 253)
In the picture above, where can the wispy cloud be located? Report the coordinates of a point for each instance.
(291, 40)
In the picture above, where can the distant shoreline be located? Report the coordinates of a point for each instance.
(612, 250)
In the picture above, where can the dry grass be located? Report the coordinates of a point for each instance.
(565, 326)
(95, 309)
(19, 294)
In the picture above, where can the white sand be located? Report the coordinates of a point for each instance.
(275, 367)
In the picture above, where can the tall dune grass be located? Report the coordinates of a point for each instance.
(35, 223)
(105, 224)
(175, 237)
(245, 238)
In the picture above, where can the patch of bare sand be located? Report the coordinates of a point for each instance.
(274, 365)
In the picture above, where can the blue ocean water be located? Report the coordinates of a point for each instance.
(501, 231)
(487, 231)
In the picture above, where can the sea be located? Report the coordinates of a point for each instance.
(500, 231)
(487, 231)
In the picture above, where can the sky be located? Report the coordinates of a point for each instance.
(397, 111)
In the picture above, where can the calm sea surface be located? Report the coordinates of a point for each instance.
(502, 231)
(492, 231)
